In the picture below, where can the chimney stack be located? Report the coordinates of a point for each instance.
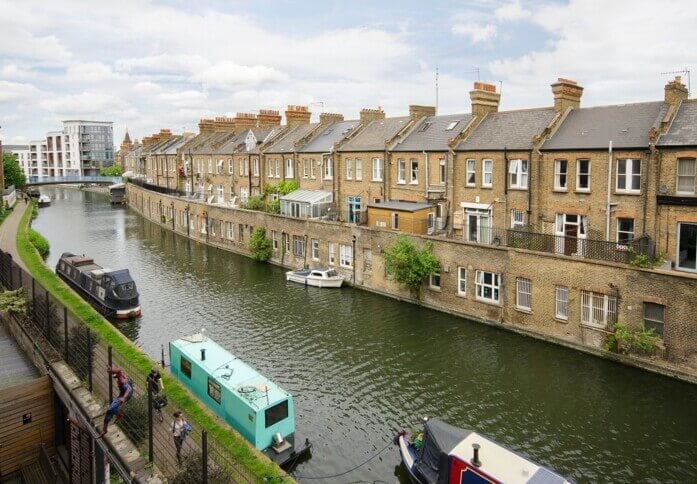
(484, 99)
(567, 94)
(297, 115)
(368, 115)
(418, 112)
(223, 124)
(675, 91)
(329, 118)
(268, 118)
(206, 125)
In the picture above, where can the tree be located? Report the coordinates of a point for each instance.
(113, 170)
(13, 172)
(260, 245)
(410, 265)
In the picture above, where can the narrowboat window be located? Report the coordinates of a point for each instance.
(276, 413)
(214, 389)
(185, 367)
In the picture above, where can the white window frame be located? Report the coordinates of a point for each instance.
(289, 168)
(655, 322)
(345, 255)
(315, 249)
(579, 188)
(278, 167)
(517, 218)
(494, 285)
(561, 303)
(255, 167)
(377, 169)
(434, 281)
(349, 169)
(359, 169)
(598, 309)
(461, 281)
(271, 164)
(632, 173)
(487, 172)
(401, 171)
(394, 220)
(688, 178)
(305, 170)
(230, 165)
(328, 169)
(331, 257)
(518, 174)
(312, 168)
(442, 175)
(471, 173)
(523, 294)
(413, 171)
(274, 240)
(230, 232)
(558, 173)
(618, 231)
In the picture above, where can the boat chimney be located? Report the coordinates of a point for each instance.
(475, 458)
(203, 354)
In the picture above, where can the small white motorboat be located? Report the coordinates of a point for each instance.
(44, 201)
(316, 277)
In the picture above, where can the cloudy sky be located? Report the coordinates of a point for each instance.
(150, 64)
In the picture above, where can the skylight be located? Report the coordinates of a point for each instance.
(452, 125)
(426, 125)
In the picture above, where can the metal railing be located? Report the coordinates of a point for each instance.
(62, 336)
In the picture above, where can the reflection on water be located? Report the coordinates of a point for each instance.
(361, 366)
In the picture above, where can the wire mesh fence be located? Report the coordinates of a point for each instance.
(63, 336)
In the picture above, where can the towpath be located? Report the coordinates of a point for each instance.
(8, 231)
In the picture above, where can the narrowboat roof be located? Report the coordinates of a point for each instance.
(231, 372)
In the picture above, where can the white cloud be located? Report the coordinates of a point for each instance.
(16, 92)
(607, 54)
(14, 71)
(511, 12)
(106, 106)
(229, 75)
(91, 72)
(476, 32)
(16, 42)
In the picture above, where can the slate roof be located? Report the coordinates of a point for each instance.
(627, 125)
(432, 134)
(211, 144)
(325, 140)
(513, 130)
(286, 144)
(375, 134)
(683, 129)
(401, 206)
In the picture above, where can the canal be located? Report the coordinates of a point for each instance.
(360, 365)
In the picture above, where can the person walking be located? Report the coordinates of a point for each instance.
(155, 384)
(125, 385)
(179, 431)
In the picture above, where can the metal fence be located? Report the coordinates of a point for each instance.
(635, 251)
(62, 336)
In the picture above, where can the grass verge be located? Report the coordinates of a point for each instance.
(235, 444)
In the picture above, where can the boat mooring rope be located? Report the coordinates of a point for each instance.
(350, 470)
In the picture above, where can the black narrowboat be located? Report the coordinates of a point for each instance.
(112, 292)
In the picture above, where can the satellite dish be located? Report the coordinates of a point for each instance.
(663, 190)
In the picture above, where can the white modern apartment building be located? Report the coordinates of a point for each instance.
(82, 148)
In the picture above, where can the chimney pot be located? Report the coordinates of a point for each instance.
(416, 111)
(675, 91)
(368, 115)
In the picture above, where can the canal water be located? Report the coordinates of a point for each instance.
(361, 365)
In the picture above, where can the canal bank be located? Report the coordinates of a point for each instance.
(360, 365)
(356, 252)
(71, 328)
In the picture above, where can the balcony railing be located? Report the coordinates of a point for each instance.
(594, 249)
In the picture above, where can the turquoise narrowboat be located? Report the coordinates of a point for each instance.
(252, 404)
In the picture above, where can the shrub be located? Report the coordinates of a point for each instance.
(625, 341)
(410, 265)
(13, 301)
(39, 242)
(255, 203)
(260, 245)
(274, 206)
(192, 467)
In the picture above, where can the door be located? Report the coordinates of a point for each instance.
(80, 452)
(478, 225)
(430, 223)
(687, 247)
(570, 234)
(354, 210)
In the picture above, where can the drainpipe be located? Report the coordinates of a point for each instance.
(529, 185)
(353, 259)
(450, 164)
(427, 178)
(505, 171)
(609, 184)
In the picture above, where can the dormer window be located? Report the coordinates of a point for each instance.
(425, 126)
